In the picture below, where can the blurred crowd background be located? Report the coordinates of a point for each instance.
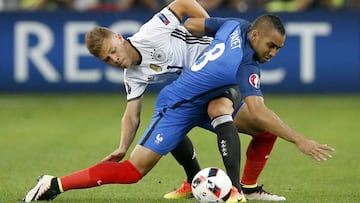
(155, 5)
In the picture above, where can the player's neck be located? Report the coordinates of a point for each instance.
(135, 54)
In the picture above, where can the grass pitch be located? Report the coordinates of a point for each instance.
(61, 133)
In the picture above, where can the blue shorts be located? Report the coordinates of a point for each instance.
(170, 125)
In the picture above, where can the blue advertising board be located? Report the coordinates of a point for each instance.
(45, 51)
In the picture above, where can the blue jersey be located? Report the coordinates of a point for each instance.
(182, 105)
(229, 60)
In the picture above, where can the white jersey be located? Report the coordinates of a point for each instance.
(165, 47)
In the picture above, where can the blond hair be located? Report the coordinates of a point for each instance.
(94, 39)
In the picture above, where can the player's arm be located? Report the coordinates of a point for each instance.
(191, 8)
(129, 126)
(207, 26)
(204, 26)
(267, 120)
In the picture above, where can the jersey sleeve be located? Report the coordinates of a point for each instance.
(134, 89)
(213, 24)
(248, 78)
(160, 25)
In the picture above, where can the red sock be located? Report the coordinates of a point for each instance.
(100, 174)
(257, 155)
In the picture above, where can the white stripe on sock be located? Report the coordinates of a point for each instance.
(221, 119)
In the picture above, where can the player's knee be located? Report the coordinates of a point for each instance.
(220, 107)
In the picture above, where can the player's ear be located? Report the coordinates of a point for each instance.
(118, 36)
(254, 35)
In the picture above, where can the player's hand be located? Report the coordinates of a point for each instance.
(319, 152)
(116, 155)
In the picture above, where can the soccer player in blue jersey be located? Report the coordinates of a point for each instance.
(232, 59)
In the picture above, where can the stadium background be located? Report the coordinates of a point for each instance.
(60, 108)
(44, 51)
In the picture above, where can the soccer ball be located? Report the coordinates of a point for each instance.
(211, 185)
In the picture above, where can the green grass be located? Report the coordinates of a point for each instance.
(61, 133)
